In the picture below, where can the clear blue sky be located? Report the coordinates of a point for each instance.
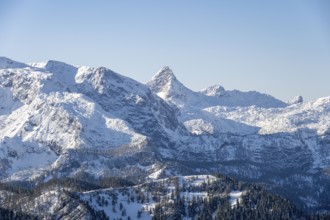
(279, 47)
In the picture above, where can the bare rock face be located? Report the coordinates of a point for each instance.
(296, 100)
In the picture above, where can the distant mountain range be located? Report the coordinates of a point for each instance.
(59, 120)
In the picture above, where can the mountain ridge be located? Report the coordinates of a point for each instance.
(169, 88)
(58, 120)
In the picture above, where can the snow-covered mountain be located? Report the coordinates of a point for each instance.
(60, 120)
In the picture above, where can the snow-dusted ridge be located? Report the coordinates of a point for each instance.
(6, 63)
(61, 120)
(167, 86)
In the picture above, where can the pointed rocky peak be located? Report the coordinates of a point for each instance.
(167, 87)
(165, 74)
(8, 63)
(215, 90)
(296, 100)
(163, 81)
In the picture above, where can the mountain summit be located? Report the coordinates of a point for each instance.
(167, 87)
(215, 90)
(164, 75)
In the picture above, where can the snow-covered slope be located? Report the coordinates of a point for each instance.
(53, 111)
(61, 120)
(309, 117)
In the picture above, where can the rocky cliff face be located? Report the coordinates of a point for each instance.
(60, 120)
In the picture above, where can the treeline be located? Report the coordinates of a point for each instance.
(74, 184)
(18, 198)
(255, 203)
(11, 215)
(175, 198)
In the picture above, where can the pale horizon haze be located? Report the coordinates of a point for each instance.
(281, 48)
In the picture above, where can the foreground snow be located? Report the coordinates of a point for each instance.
(124, 202)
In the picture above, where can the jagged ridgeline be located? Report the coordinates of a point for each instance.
(61, 121)
(180, 197)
